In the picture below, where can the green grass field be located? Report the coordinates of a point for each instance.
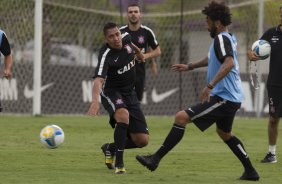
(198, 158)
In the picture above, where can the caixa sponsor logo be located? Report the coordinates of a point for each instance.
(126, 67)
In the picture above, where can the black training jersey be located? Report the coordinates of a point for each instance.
(4, 44)
(274, 37)
(117, 67)
(143, 38)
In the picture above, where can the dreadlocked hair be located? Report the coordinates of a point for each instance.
(218, 11)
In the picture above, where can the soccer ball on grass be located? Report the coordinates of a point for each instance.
(52, 136)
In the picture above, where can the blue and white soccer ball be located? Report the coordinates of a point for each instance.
(52, 136)
(262, 48)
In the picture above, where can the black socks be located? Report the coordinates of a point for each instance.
(175, 135)
(129, 144)
(238, 149)
(119, 138)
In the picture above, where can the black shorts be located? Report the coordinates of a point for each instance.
(218, 110)
(113, 100)
(140, 87)
(275, 101)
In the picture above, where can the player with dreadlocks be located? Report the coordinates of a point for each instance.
(220, 98)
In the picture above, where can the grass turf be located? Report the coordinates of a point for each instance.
(198, 158)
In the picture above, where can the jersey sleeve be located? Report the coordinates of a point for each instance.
(126, 38)
(103, 65)
(267, 35)
(152, 40)
(222, 47)
(122, 29)
(5, 48)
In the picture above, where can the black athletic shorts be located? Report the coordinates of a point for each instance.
(114, 99)
(139, 87)
(275, 101)
(218, 110)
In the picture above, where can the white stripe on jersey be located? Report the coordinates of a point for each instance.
(123, 27)
(124, 34)
(221, 43)
(147, 28)
(208, 109)
(103, 61)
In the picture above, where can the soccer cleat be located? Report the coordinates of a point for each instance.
(109, 156)
(250, 176)
(269, 158)
(120, 170)
(149, 161)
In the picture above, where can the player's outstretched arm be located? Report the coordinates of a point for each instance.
(180, 67)
(190, 66)
(94, 108)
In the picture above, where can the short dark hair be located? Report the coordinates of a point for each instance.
(108, 26)
(134, 3)
(218, 11)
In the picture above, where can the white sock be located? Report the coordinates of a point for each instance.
(272, 149)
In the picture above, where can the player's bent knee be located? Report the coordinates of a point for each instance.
(122, 115)
(141, 140)
(223, 135)
(142, 143)
(181, 118)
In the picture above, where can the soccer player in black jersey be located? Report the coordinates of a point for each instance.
(219, 99)
(5, 49)
(145, 39)
(274, 86)
(114, 81)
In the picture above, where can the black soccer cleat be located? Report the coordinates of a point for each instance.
(149, 161)
(250, 176)
(109, 156)
(269, 158)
